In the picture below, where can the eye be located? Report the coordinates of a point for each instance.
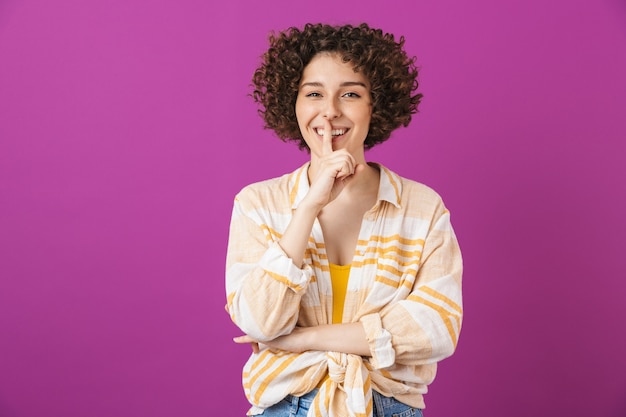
(313, 94)
(351, 94)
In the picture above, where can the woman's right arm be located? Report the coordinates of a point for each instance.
(264, 282)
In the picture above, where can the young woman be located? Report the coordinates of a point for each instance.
(344, 276)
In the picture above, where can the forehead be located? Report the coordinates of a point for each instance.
(328, 67)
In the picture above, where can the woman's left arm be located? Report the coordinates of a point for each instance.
(424, 327)
(345, 338)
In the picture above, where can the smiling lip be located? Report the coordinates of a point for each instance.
(335, 132)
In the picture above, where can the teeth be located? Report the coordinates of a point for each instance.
(334, 132)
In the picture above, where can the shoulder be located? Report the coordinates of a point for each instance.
(416, 198)
(270, 193)
(414, 190)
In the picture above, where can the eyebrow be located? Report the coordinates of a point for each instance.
(343, 84)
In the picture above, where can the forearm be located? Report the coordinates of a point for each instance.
(295, 239)
(344, 338)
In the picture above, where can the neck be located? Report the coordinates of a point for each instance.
(370, 177)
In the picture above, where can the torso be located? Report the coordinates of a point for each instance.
(341, 233)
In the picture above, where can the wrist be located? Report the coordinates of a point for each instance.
(307, 206)
(310, 338)
(302, 339)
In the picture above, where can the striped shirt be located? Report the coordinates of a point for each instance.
(404, 287)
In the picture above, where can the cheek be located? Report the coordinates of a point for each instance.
(300, 113)
(302, 120)
(365, 116)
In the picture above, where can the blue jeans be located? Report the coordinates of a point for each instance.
(390, 407)
(291, 406)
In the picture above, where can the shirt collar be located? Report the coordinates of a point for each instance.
(389, 188)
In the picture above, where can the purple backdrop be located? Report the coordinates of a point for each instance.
(126, 130)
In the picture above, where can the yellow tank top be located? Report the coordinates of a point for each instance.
(339, 277)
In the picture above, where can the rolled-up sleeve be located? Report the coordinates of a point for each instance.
(379, 340)
(263, 285)
(424, 327)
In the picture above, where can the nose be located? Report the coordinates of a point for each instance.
(332, 110)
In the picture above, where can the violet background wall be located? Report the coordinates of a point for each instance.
(125, 131)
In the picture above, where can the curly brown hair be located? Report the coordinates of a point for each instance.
(391, 73)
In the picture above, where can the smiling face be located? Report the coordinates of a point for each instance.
(331, 90)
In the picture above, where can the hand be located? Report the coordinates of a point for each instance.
(247, 339)
(335, 169)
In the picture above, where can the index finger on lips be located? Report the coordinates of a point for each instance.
(327, 141)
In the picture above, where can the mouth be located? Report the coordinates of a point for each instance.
(334, 132)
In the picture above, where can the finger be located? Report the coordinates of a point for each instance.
(327, 140)
(357, 169)
(255, 347)
(243, 339)
(348, 166)
(345, 171)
